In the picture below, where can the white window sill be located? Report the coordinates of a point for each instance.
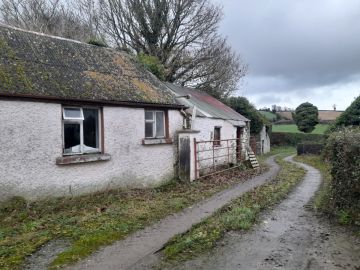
(76, 159)
(155, 141)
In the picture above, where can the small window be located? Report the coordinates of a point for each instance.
(81, 130)
(217, 136)
(73, 114)
(154, 124)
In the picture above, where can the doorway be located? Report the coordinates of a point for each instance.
(239, 134)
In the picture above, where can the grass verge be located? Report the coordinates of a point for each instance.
(91, 221)
(284, 150)
(322, 200)
(240, 214)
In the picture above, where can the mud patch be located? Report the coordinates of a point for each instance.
(41, 259)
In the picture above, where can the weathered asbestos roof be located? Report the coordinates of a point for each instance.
(206, 105)
(37, 65)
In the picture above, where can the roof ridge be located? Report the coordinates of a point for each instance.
(41, 34)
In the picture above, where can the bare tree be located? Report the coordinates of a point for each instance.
(56, 17)
(182, 34)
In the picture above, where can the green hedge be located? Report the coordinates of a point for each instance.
(293, 139)
(309, 148)
(343, 151)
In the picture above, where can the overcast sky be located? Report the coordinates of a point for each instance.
(297, 50)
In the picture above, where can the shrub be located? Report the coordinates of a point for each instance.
(243, 106)
(343, 152)
(152, 64)
(292, 139)
(309, 148)
(306, 117)
(350, 117)
(97, 42)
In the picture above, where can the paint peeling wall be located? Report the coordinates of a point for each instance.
(31, 140)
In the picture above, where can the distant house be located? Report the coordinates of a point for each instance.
(76, 118)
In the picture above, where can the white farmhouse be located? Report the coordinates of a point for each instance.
(77, 118)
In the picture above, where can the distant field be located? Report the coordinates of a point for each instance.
(268, 115)
(319, 129)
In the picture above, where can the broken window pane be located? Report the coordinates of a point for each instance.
(72, 138)
(149, 130)
(160, 131)
(91, 129)
(73, 113)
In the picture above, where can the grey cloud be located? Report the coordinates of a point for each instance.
(295, 46)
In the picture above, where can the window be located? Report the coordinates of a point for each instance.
(154, 124)
(81, 130)
(217, 135)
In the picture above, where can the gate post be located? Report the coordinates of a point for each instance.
(187, 154)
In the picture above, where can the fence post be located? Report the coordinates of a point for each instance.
(187, 155)
(195, 159)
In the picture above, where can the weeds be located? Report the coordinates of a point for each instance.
(323, 201)
(92, 221)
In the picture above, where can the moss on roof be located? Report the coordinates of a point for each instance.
(40, 65)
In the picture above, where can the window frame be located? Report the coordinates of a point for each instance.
(80, 121)
(153, 121)
(217, 141)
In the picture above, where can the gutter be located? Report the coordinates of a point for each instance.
(72, 101)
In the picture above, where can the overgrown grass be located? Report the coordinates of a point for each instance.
(292, 128)
(240, 214)
(322, 200)
(91, 221)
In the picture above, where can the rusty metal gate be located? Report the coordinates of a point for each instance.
(216, 156)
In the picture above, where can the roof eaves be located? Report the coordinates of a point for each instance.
(52, 99)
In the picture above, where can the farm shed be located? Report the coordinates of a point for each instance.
(76, 118)
(219, 135)
(262, 140)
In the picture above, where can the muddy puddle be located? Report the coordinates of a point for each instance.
(42, 258)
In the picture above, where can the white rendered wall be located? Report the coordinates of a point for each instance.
(265, 140)
(228, 131)
(31, 140)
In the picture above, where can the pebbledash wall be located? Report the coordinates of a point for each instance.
(31, 140)
(206, 126)
(264, 143)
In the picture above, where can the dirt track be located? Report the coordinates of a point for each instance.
(143, 244)
(290, 236)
